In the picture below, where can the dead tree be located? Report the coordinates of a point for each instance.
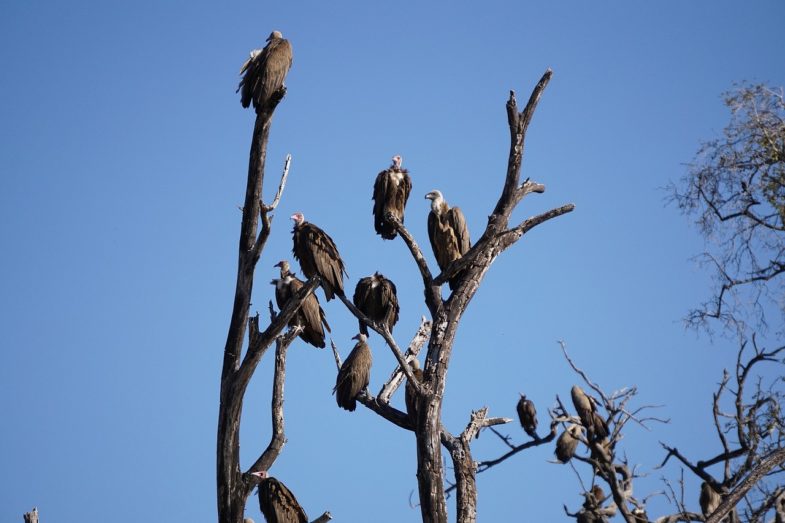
(446, 315)
(235, 485)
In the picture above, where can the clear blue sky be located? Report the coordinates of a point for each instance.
(124, 154)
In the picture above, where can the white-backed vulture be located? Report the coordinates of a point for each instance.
(411, 393)
(318, 255)
(264, 72)
(567, 443)
(277, 503)
(596, 427)
(310, 315)
(709, 499)
(390, 193)
(448, 233)
(355, 374)
(376, 297)
(527, 415)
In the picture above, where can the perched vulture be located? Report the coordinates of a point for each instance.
(640, 515)
(527, 415)
(709, 499)
(318, 255)
(411, 393)
(390, 192)
(376, 297)
(264, 71)
(310, 315)
(448, 233)
(277, 503)
(594, 497)
(596, 427)
(567, 443)
(355, 374)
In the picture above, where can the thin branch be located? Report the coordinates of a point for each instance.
(278, 437)
(385, 333)
(281, 185)
(396, 378)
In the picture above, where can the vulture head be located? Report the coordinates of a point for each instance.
(360, 337)
(284, 266)
(396, 161)
(414, 364)
(262, 474)
(436, 199)
(274, 35)
(298, 219)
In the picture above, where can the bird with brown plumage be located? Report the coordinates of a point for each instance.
(567, 443)
(527, 415)
(318, 255)
(390, 194)
(264, 72)
(595, 425)
(448, 233)
(310, 316)
(376, 297)
(276, 501)
(354, 375)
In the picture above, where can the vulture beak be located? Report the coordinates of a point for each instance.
(279, 264)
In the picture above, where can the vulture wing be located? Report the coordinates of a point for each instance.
(278, 504)
(310, 316)
(443, 241)
(461, 231)
(363, 300)
(388, 298)
(282, 293)
(318, 255)
(381, 189)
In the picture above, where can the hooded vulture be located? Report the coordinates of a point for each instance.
(527, 415)
(277, 503)
(567, 443)
(596, 427)
(448, 233)
(264, 72)
(318, 255)
(310, 315)
(376, 297)
(411, 392)
(390, 192)
(355, 374)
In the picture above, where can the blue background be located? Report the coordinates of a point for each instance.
(124, 154)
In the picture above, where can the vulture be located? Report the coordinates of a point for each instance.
(587, 411)
(527, 415)
(318, 255)
(390, 192)
(709, 499)
(640, 515)
(411, 393)
(567, 443)
(310, 316)
(448, 233)
(277, 503)
(376, 297)
(355, 374)
(264, 72)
